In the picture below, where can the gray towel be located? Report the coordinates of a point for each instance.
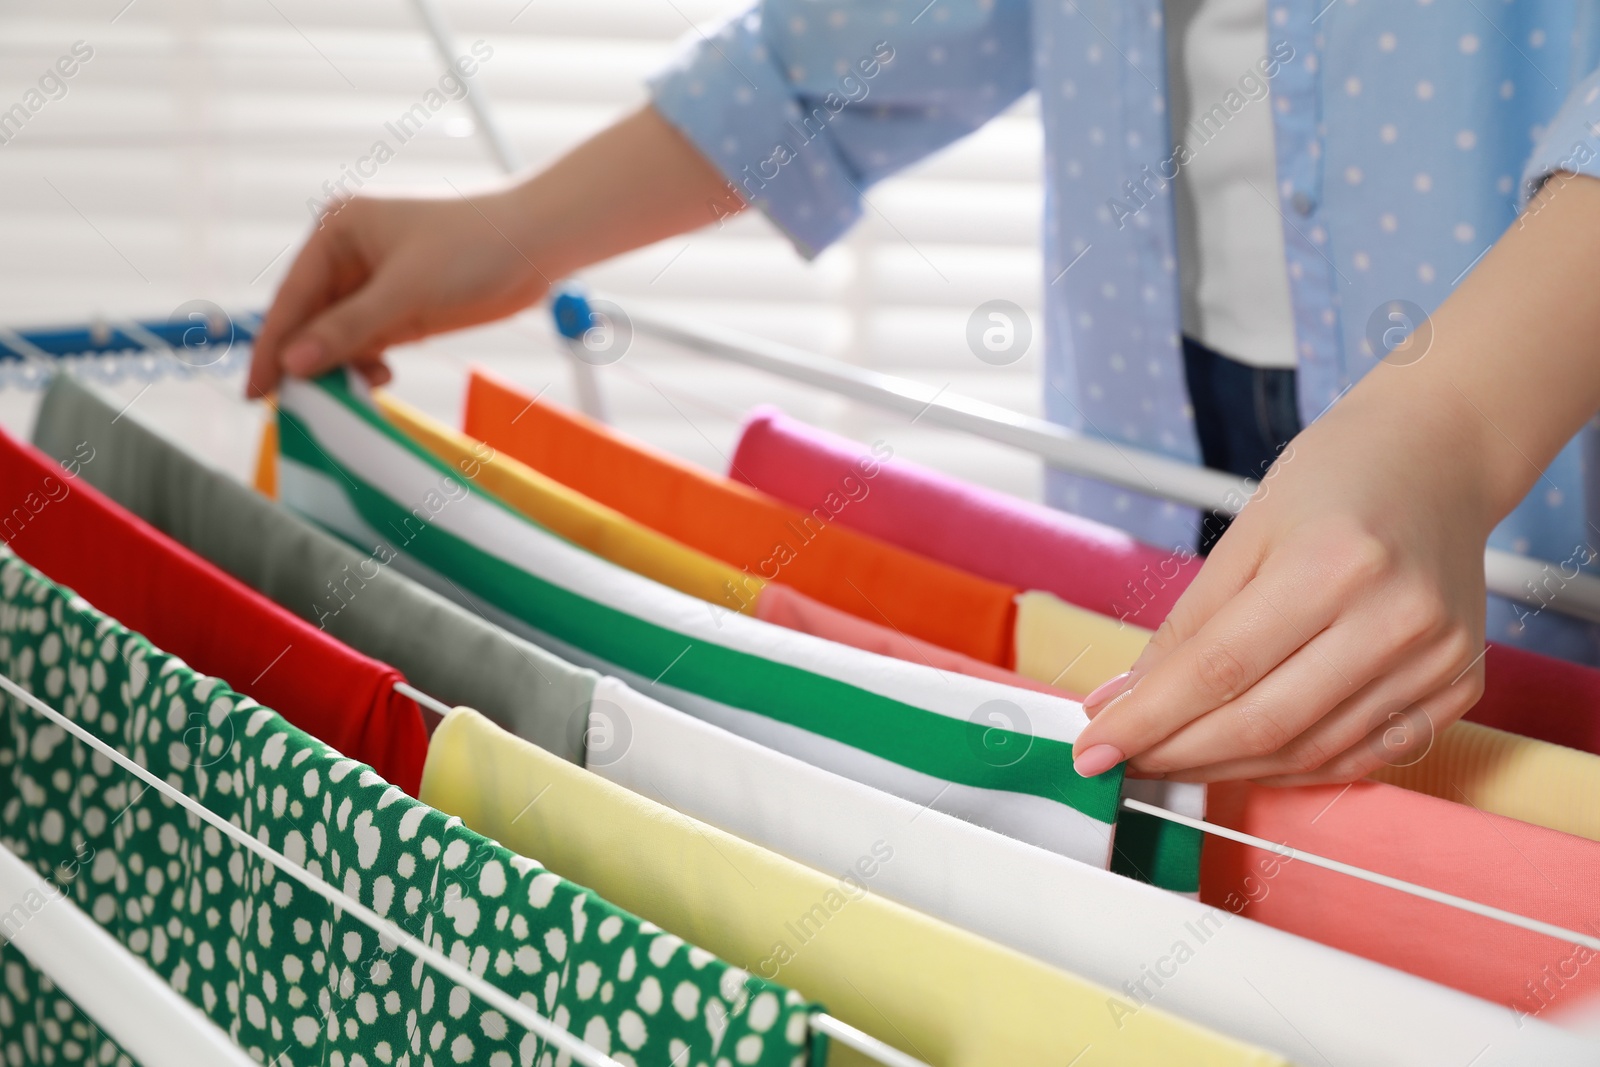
(442, 649)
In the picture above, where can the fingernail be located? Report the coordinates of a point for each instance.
(1107, 689)
(302, 355)
(1096, 759)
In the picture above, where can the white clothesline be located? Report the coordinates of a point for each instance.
(1520, 578)
(1489, 911)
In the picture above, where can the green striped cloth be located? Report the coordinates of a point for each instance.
(997, 756)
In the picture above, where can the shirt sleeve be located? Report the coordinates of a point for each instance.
(802, 104)
(1570, 143)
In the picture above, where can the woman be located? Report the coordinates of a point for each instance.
(1249, 207)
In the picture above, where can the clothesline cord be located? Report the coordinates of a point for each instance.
(1288, 852)
(406, 689)
(503, 1002)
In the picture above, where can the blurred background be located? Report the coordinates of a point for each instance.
(177, 164)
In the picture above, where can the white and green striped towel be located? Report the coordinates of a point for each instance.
(997, 756)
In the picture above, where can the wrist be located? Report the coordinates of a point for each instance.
(1415, 420)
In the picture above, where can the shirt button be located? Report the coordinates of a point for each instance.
(1302, 203)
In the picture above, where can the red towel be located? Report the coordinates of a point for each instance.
(186, 606)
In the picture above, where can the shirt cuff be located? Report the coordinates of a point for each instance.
(1570, 143)
(728, 96)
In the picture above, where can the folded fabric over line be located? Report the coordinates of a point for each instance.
(941, 994)
(113, 559)
(977, 529)
(930, 737)
(1203, 964)
(1090, 564)
(291, 978)
(1451, 847)
(573, 516)
(1518, 777)
(805, 547)
(447, 650)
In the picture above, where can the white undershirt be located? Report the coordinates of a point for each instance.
(1232, 279)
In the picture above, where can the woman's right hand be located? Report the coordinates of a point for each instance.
(382, 270)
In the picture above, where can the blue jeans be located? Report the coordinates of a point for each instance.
(1243, 415)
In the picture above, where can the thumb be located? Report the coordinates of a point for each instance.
(360, 325)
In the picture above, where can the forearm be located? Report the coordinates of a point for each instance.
(634, 183)
(1513, 369)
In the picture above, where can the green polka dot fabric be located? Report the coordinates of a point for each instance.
(291, 979)
(40, 1025)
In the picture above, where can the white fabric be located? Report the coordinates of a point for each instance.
(1234, 288)
(126, 999)
(403, 476)
(1310, 1003)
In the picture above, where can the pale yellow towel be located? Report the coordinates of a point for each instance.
(569, 514)
(1505, 774)
(943, 995)
(1070, 647)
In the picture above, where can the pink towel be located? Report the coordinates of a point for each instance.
(1085, 563)
(1451, 847)
(782, 606)
(982, 531)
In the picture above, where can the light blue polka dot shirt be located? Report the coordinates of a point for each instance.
(1407, 133)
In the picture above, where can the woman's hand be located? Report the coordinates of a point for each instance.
(380, 271)
(1338, 625)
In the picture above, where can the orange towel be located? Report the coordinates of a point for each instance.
(808, 550)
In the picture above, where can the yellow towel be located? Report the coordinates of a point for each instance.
(569, 514)
(1070, 647)
(941, 994)
(1505, 774)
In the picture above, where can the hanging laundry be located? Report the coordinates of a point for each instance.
(997, 755)
(1447, 846)
(1504, 774)
(941, 994)
(447, 650)
(569, 514)
(41, 1024)
(980, 530)
(805, 547)
(790, 608)
(292, 979)
(216, 624)
(1092, 565)
(1155, 948)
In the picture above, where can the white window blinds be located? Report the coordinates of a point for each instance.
(178, 160)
